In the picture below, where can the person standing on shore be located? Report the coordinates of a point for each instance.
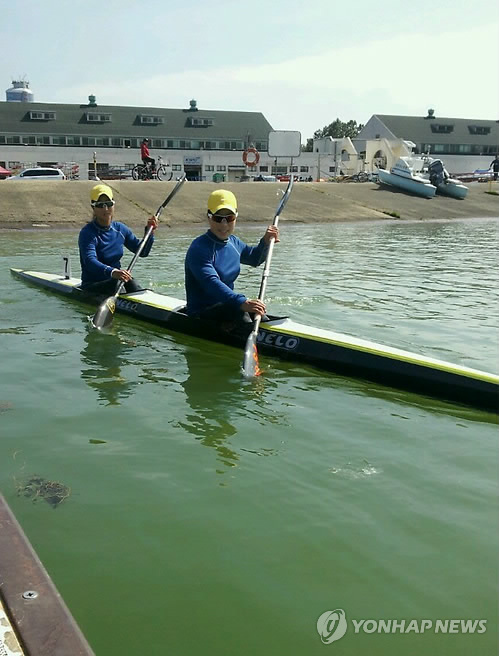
(146, 155)
(494, 165)
(213, 263)
(101, 244)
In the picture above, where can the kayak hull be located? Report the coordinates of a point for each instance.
(289, 340)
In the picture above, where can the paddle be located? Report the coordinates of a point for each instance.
(250, 360)
(104, 315)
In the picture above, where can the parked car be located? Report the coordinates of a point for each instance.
(265, 178)
(39, 173)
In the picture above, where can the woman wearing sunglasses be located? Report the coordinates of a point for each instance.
(101, 244)
(213, 263)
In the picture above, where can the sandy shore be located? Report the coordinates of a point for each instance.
(53, 204)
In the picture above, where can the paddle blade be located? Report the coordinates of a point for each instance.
(251, 368)
(105, 312)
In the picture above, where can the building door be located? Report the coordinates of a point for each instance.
(192, 172)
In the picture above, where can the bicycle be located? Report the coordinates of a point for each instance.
(145, 172)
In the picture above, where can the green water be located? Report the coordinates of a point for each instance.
(211, 515)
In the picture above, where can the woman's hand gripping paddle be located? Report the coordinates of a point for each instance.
(250, 360)
(105, 312)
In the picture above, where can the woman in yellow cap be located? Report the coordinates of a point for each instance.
(213, 262)
(101, 244)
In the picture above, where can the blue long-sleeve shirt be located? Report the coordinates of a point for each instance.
(101, 249)
(211, 267)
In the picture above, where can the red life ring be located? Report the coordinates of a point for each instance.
(251, 162)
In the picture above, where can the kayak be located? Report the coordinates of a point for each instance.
(284, 338)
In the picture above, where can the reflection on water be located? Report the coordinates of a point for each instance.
(220, 400)
(103, 358)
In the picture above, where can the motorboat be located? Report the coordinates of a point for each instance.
(423, 176)
(445, 185)
(407, 174)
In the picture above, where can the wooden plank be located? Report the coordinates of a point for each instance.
(36, 611)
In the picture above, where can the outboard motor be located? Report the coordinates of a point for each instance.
(437, 172)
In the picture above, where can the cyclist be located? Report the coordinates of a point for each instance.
(146, 157)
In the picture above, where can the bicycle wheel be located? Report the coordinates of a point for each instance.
(137, 172)
(162, 173)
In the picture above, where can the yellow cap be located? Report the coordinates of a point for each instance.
(222, 199)
(101, 190)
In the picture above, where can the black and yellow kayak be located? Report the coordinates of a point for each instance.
(287, 339)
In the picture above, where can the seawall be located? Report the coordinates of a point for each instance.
(67, 204)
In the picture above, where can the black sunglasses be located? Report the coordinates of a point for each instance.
(218, 218)
(101, 204)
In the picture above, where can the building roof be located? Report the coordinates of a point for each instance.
(15, 118)
(444, 130)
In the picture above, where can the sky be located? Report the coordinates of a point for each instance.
(302, 64)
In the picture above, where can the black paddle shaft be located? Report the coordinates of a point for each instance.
(250, 359)
(275, 222)
(149, 231)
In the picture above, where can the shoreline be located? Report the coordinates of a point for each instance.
(36, 205)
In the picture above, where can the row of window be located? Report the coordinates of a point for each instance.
(125, 142)
(102, 167)
(459, 149)
(105, 117)
(447, 128)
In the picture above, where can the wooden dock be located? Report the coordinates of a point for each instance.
(34, 620)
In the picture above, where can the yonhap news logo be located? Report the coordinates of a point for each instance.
(333, 624)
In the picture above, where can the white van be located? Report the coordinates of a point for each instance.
(39, 173)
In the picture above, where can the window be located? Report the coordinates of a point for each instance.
(332, 169)
(93, 117)
(293, 169)
(279, 170)
(172, 143)
(209, 167)
(478, 129)
(439, 148)
(29, 140)
(39, 172)
(303, 169)
(58, 141)
(200, 122)
(442, 128)
(88, 141)
(464, 148)
(264, 169)
(176, 167)
(221, 167)
(184, 144)
(149, 119)
(42, 116)
(73, 141)
(158, 143)
(261, 145)
(14, 140)
(2, 140)
(101, 141)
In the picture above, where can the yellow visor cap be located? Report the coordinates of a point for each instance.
(101, 190)
(221, 199)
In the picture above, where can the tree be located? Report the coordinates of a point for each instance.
(338, 129)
